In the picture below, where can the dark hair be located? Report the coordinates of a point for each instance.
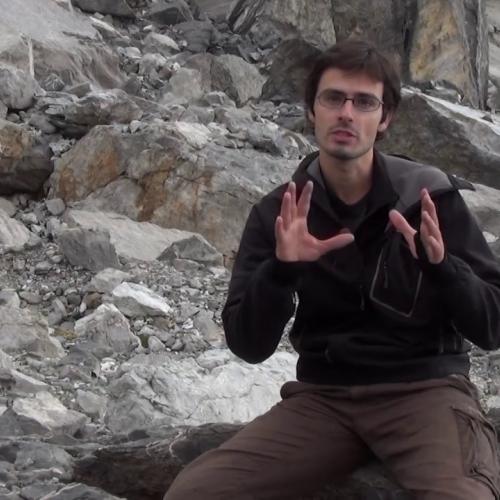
(357, 56)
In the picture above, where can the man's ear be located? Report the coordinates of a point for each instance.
(310, 116)
(382, 126)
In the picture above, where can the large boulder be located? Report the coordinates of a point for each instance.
(63, 43)
(118, 8)
(268, 22)
(455, 138)
(430, 40)
(17, 88)
(184, 181)
(493, 14)
(25, 161)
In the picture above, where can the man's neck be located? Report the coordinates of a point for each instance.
(350, 180)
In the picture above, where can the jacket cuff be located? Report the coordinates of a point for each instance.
(286, 274)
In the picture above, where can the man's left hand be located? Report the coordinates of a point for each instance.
(430, 234)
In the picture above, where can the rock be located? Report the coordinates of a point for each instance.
(3, 111)
(240, 80)
(76, 491)
(170, 12)
(88, 248)
(64, 44)
(91, 404)
(8, 207)
(24, 159)
(55, 206)
(97, 108)
(198, 35)
(92, 163)
(269, 23)
(81, 89)
(194, 248)
(52, 83)
(452, 137)
(136, 240)
(217, 10)
(17, 88)
(163, 44)
(13, 234)
(22, 330)
(107, 326)
(196, 135)
(441, 48)
(292, 60)
(118, 8)
(48, 414)
(137, 300)
(107, 280)
(6, 362)
(9, 298)
(24, 385)
(493, 15)
(185, 85)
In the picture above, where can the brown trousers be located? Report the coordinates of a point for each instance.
(432, 435)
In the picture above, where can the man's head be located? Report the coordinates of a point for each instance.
(351, 95)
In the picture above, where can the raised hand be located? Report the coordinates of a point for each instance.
(430, 234)
(293, 241)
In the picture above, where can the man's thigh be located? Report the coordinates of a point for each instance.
(290, 451)
(437, 441)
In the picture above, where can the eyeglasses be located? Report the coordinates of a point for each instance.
(334, 99)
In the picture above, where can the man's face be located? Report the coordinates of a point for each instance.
(347, 133)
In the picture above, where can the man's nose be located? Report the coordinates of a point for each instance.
(346, 110)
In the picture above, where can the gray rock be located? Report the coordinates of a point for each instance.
(118, 8)
(9, 298)
(170, 12)
(292, 61)
(216, 10)
(91, 404)
(194, 248)
(186, 85)
(107, 280)
(3, 111)
(162, 44)
(240, 80)
(209, 329)
(137, 300)
(21, 330)
(17, 88)
(42, 123)
(6, 362)
(13, 234)
(269, 23)
(453, 137)
(55, 206)
(52, 82)
(136, 240)
(198, 35)
(91, 249)
(23, 385)
(44, 456)
(24, 160)
(80, 89)
(76, 491)
(48, 413)
(64, 43)
(155, 344)
(107, 326)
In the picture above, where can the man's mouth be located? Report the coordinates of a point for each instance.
(343, 134)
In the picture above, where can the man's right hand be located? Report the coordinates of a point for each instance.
(294, 243)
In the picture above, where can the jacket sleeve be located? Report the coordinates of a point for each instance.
(260, 298)
(469, 277)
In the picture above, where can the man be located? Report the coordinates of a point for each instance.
(393, 278)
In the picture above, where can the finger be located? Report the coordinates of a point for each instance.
(334, 243)
(278, 227)
(429, 206)
(285, 213)
(292, 188)
(305, 200)
(435, 253)
(402, 226)
(430, 226)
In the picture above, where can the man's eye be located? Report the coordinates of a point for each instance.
(365, 101)
(335, 97)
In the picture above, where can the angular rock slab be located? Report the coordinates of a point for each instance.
(25, 162)
(118, 8)
(456, 138)
(63, 43)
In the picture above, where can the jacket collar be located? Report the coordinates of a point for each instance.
(381, 193)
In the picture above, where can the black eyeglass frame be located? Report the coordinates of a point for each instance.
(346, 98)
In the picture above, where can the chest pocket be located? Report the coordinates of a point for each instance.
(396, 286)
